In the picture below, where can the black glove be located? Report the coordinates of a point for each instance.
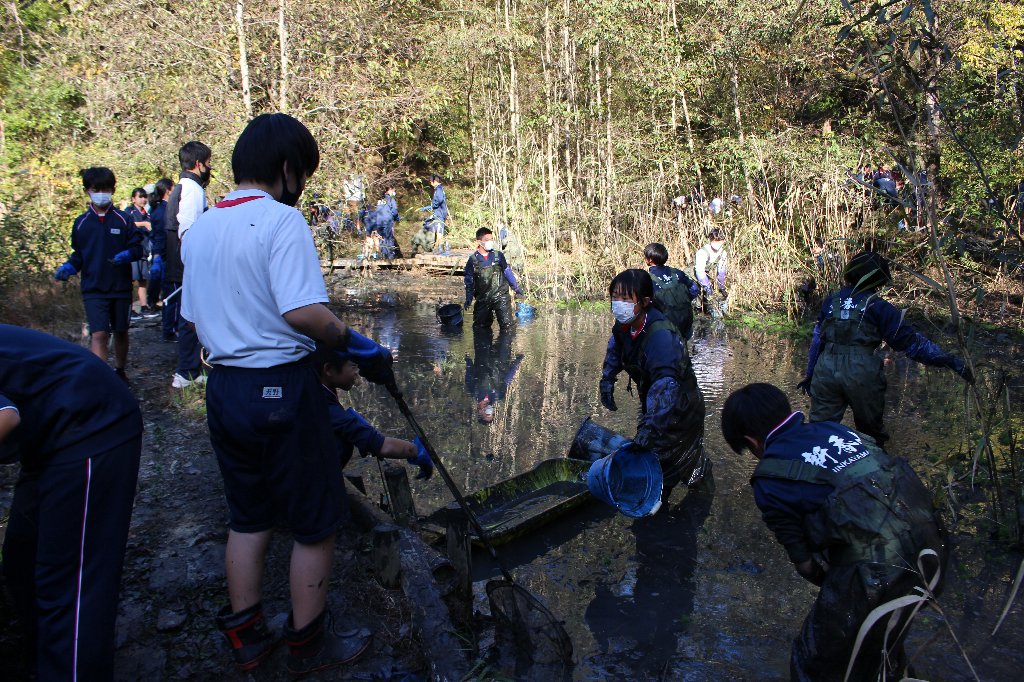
(805, 385)
(608, 394)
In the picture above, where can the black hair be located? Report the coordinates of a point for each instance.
(192, 153)
(323, 357)
(97, 177)
(482, 231)
(632, 283)
(160, 190)
(435, 178)
(267, 143)
(716, 234)
(754, 410)
(867, 270)
(818, 241)
(139, 192)
(656, 253)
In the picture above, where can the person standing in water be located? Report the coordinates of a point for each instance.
(650, 350)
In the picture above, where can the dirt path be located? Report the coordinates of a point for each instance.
(173, 582)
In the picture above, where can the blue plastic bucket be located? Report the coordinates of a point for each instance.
(630, 481)
(524, 311)
(450, 315)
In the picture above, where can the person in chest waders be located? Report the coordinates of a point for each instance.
(842, 368)
(649, 349)
(488, 278)
(854, 520)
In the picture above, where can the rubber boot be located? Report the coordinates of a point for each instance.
(247, 632)
(318, 646)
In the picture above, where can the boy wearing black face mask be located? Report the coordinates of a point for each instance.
(488, 277)
(104, 242)
(185, 204)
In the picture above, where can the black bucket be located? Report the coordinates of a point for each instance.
(593, 441)
(450, 315)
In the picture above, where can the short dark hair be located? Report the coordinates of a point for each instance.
(482, 231)
(716, 234)
(867, 270)
(97, 177)
(656, 253)
(160, 190)
(754, 410)
(139, 192)
(436, 178)
(633, 282)
(326, 357)
(192, 153)
(267, 143)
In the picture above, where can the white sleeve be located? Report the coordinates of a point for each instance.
(193, 200)
(701, 264)
(294, 269)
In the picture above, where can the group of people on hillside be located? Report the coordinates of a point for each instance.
(853, 518)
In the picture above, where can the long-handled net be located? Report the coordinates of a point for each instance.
(538, 636)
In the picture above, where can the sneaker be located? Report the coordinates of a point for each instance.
(134, 316)
(149, 313)
(183, 382)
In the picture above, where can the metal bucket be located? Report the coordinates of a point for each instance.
(593, 441)
(450, 315)
(631, 481)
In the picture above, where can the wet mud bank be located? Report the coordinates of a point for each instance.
(700, 591)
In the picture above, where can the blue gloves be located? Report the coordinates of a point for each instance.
(608, 394)
(156, 268)
(422, 460)
(374, 360)
(64, 272)
(122, 258)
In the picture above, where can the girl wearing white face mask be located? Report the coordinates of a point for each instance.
(648, 348)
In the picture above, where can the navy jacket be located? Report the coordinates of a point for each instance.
(784, 504)
(888, 319)
(439, 204)
(393, 205)
(158, 238)
(351, 430)
(71, 403)
(95, 239)
(136, 215)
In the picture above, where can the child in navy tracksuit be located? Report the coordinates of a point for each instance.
(104, 243)
(351, 430)
(65, 540)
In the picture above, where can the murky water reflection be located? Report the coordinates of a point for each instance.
(700, 592)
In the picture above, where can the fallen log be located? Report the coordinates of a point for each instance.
(425, 576)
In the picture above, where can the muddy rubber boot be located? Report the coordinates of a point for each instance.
(318, 646)
(247, 632)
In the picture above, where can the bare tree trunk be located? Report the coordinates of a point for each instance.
(282, 32)
(736, 101)
(243, 57)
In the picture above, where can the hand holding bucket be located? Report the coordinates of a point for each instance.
(630, 479)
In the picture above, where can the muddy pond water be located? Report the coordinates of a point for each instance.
(701, 591)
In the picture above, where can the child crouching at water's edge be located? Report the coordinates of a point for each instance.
(351, 430)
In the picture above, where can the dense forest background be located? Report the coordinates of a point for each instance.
(573, 123)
